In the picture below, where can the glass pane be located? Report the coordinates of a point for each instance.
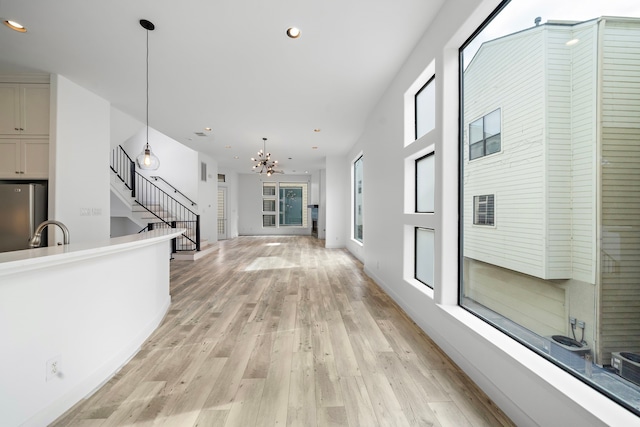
(476, 150)
(492, 123)
(357, 199)
(425, 177)
(425, 239)
(492, 144)
(268, 220)
(269, 189)
(475, 131)
(426, 109)
(558, 271)
(269, 205)
(290, 206)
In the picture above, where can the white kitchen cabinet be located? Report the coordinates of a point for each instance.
(24, 158)
(24, 109)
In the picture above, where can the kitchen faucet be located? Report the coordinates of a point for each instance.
(35, 241)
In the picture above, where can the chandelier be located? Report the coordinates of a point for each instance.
(264, 164)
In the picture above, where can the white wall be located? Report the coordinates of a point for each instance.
(123, 126)
(250, 205)
(79, 159)
(208, 200)
(337, 209)
(531, 390)
(178, 163)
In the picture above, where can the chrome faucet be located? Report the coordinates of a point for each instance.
(35, 241)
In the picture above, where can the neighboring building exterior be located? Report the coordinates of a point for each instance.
(549, 178)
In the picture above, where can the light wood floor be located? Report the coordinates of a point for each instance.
(279, 331)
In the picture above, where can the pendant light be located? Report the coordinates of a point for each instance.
(147, 160)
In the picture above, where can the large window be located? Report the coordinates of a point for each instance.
(357, 199)
(284, 204)
(484, 135)
(559, 100)
(291, 208)
(425, 108)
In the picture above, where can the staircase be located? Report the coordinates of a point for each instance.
(153, 208)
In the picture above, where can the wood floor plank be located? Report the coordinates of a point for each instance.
(278, 330)
(302, 392)
(275, 398)
(244, 410)
(357, 402)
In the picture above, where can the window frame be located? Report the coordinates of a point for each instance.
(476, 202)
(416, 161)
(432, 79)
(484, 140)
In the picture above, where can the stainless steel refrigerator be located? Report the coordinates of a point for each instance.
(22, 208)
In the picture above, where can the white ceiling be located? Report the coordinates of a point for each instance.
(227, 65)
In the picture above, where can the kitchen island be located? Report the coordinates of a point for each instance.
(71, 316)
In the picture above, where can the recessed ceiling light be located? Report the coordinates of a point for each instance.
(207, 129)
(15, 26)
(316, 130)
(236, 157)
(227, 146)
(314, 148)
(293, 32)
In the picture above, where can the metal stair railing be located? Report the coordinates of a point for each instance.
(124, 168)
(169, 211)
(175, 190)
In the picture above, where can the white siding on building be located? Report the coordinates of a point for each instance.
(619, 314)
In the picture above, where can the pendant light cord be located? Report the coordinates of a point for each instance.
(147, 88)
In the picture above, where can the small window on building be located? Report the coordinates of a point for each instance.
(483, 210)
(484, 135)
(425, 108)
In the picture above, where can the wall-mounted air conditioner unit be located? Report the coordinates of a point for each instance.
(627, 365)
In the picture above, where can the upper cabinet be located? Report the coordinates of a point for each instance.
(24, 109)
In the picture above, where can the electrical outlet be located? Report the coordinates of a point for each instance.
(581, 324)
(53, 368)
(572, 321)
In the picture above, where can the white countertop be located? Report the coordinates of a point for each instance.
(29, 259)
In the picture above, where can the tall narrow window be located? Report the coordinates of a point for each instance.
(269, 204)
(424, 250)
(425, 176)
(357, 199)
(425, 108)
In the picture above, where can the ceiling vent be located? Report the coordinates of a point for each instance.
(200, 133)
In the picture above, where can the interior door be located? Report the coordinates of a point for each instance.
(222, 213)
